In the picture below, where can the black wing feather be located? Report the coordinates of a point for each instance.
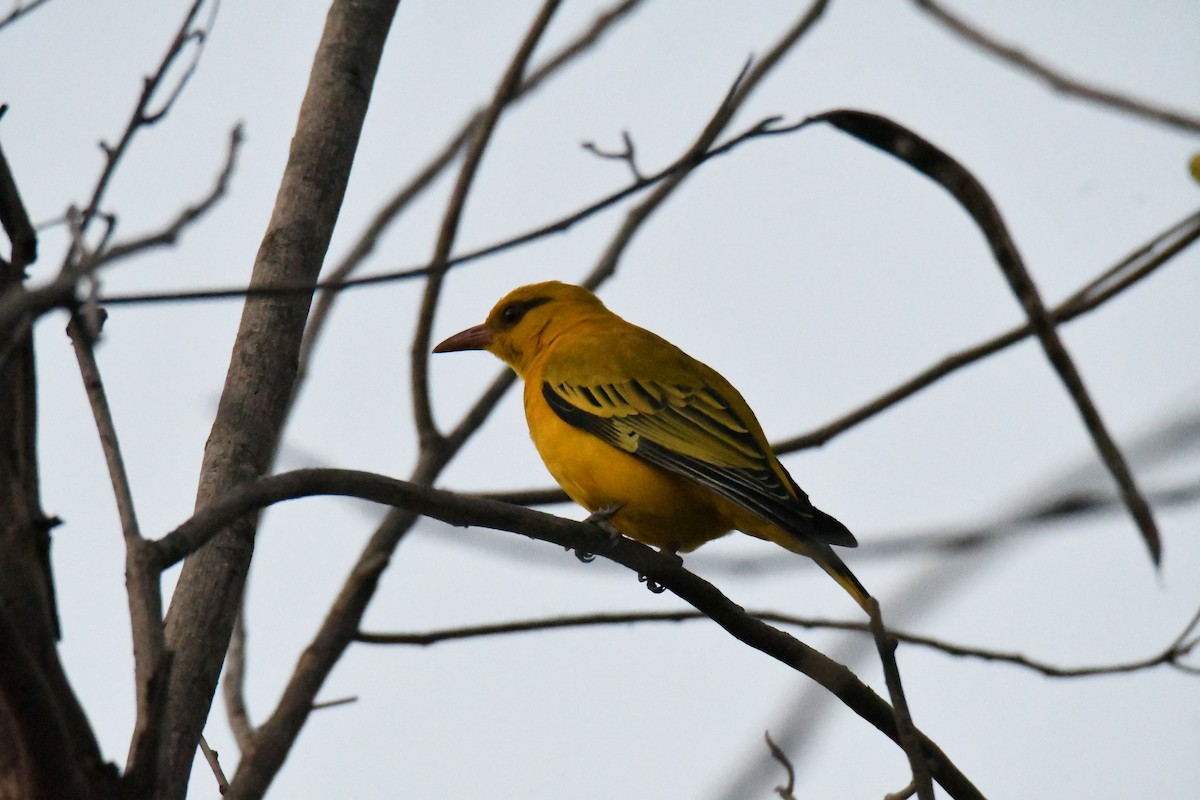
(757, 489)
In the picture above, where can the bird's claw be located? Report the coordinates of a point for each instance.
(600, 518)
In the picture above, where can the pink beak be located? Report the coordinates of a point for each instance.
(477, 338)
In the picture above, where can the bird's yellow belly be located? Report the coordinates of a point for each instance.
(655, 506)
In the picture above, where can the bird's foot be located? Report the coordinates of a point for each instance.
(676, 562)
(600, 518)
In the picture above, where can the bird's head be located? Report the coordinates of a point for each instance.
(526, 321)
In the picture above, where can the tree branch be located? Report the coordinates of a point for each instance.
(233, 687)
(19, 10)
(142, 581)
(937, 165)
(763, 129)
(142, 117)
(250, 497)
(263, 363)
(391, 210)
(505, 91)
(169, 234)
(1172, 655)
(1056, 80)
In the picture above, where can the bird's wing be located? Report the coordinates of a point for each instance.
(691, 430)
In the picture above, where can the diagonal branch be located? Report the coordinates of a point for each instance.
(751, 76)
(1131, 270)
(248, 498)
(1056, 80)
(233, 685)
(937, 165)
(19, 10)
(262, 366)
(403, 198)
(169, 234)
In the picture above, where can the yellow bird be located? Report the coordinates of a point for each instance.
(643, 435)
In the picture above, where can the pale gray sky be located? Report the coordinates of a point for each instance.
(812, 271)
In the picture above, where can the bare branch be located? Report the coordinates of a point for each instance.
(233, 686)
(262, 366)
(390, 211)
(785, 791)
(747, 81)
(20, 10)
(171, 232)
(214, 764)
(142, 581)
(422, 408)
(141, 116)
(628, 154)
(248, 498)
(906, 732)
(1172, 655)
(763, 128)
(338, 701)
(1056, 80)
(903, 144)
(1130, 271)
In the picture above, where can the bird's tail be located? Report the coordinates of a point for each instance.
(837, 569)
(813, 544)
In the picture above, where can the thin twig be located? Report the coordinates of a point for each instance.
(141, 116)
(907, 732)
(747, 81)
(142, 581)
(402, 199)
(765, 128)
(169, 233)
(214, 764)
(1056, 80)
(20, 10)
(233, 685)
(785, 792)
(17, 310)
(903, 794)
(419, 353)
(1171, 656)
(627, 155)
(338, 701)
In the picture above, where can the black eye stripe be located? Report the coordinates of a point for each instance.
(514, 312)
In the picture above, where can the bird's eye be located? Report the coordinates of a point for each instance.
(511, 315)
(515, 311)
